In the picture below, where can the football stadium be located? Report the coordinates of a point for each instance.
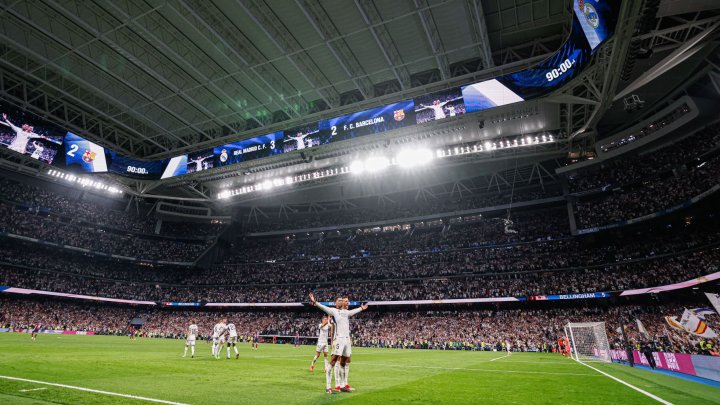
(461, 201)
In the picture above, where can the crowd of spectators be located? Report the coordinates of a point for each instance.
(63, 231)
(632, 169)
(402, 206)
(109, 215)
(452, 233)
(528, 269)
(650, 183)
(648, 129)
(535, 329)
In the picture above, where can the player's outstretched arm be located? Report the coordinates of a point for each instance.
(9, 124)
(358, 309)
(322, 307)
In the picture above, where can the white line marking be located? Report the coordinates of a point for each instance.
(34, 389)
(655, 397)
(72, 387)
(498, 358)
(472, 369)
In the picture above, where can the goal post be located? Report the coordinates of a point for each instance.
(588, 341)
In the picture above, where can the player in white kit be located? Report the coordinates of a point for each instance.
(22, 135)
(190, 339)
(199, 162)
(300, 139)
(232, 340)
(218, 337)
(342, 345)
(437, 107)
(37, 152)
(322, 342)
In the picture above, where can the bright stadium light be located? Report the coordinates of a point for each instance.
(266, 185)
(357, 167)
(375, 164)
(414, 157)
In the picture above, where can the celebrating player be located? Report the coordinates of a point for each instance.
(255, 340)
(218, 337)
(300, 139)
(22, 135)
(437, 107)
(342, 345)
(322, 342)
(232, 340)
(198, 160)
(190, 339)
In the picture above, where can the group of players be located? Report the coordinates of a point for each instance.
(336, 325)
(224, 335)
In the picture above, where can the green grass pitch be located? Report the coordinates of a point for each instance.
(279, 374)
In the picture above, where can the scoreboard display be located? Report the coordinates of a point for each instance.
(248, 149)
(368, 122)
(592, 24)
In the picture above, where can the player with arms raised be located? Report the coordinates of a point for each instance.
(190, 339)
(218, 337)
(322, 342)
(342, 345)
(232, 340)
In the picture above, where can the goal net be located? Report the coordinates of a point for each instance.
(588, 341)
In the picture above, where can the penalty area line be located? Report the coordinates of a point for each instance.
(72, 387)
(498, 358)
(640, 390)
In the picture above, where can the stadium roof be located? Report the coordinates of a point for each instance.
(153, 80)
(158, 78)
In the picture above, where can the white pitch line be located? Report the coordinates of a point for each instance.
(640, 390)
(471, 369)
(498, 358)
(72, 387)
(33, 389)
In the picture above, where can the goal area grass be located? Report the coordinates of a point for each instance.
(68, 369)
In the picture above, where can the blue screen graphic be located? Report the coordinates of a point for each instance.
(249, 149)
(368, 122)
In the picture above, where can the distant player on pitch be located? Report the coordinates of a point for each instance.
(218, 337)
(190, 339)
(322, 342)
(342, 345)
(232, 340)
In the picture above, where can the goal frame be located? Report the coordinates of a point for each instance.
(599, 340)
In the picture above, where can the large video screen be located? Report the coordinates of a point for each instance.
(249, 149)
(488, 94)
(81, 154)
(24, 133)
(596, 18)
(368, 122)
(593, 23)
(437, 106)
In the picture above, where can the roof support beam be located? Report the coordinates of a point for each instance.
(433, 36)
(323, 25)
(475, 13)
(279, 35)
(384, 40)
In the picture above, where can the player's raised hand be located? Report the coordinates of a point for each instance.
(364, 306)
(5, 116)
(312, 298)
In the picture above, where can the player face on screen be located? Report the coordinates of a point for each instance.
(324, 320)
(339, 302)
(346, 302)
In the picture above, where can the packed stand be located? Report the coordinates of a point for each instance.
(532, 329)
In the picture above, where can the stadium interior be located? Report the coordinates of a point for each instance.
(483, 174)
